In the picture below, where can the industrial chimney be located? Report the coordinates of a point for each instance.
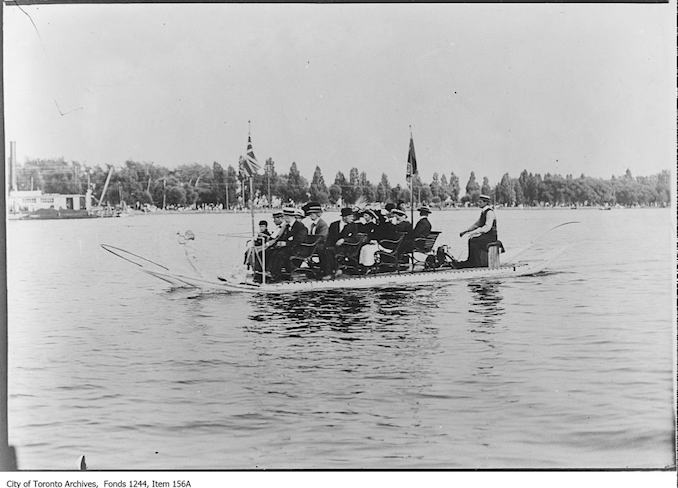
(12, 165)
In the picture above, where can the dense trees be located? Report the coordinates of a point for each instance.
(196, 184)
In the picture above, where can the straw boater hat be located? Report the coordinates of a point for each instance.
(290, 211)
(398, 212)
(312, 207)
(482, 196)
(346, 211)
(424, 209)
(277, 213)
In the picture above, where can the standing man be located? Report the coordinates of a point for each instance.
(337, 233)
(481, 233)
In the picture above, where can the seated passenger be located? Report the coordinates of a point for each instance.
(269, 245)
(371, 229)
(337, 233)
(286, 246)
(262, 237)
(481, 233)
(399, 225)
(318, 226)
(422, 228)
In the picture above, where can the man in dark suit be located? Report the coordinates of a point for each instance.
(422, 228)
(294, 236)
(337, 234)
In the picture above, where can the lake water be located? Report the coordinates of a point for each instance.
(569, 369)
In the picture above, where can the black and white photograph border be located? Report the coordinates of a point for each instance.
(427, 237)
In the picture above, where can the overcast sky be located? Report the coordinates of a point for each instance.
(491, 88)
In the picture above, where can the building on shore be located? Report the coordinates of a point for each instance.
(27, 201)
(31, 201)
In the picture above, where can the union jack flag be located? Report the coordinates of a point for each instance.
(250, 164)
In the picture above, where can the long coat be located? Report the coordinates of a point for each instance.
(422, 228)
(295, 234)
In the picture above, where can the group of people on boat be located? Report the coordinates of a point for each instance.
(363, 233)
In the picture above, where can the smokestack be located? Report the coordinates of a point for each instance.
(12, 165)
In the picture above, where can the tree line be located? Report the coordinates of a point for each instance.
(190, 185)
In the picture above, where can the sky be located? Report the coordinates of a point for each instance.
(488, 88)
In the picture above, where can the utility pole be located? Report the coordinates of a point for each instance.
(226, 185)
(268, 181)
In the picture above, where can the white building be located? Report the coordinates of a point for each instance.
(30, 201)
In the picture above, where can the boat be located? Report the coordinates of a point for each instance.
(413, 276)
(396, 265)
(54, 214)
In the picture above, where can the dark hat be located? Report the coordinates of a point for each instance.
(345, 212)
(424, 209)
(263, 222)
(390, 206)
(484, 197)
(397, 211)
(277, 213)
(289, 211)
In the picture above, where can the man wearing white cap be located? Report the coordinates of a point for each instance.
(318, 226)
(294, 236)
(481, 233)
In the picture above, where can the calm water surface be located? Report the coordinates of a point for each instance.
(572, 368)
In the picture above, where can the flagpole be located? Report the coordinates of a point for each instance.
(249, 134)
(252, 203)
(412, 200)
(411, 187)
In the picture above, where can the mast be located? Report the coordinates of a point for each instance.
(252, 204)
(108, 180)
(251, 167)
(411, 171)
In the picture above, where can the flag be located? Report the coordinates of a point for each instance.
(250, 164)
(411, 160)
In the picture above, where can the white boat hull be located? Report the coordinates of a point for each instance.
(354, 282)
